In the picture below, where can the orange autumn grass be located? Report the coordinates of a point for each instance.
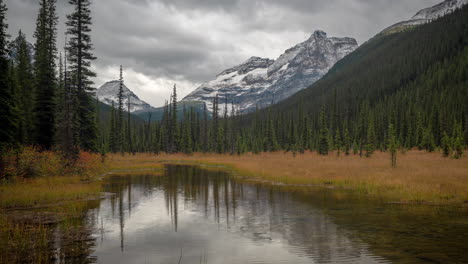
(419, 178)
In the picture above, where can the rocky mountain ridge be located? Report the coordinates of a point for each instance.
(259, 82)
(427, 15)
(108, 92)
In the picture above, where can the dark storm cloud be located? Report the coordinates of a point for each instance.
(190, 41)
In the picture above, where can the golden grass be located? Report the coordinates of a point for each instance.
(47, 190)
(420, 177)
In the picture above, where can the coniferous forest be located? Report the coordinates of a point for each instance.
(420, 91)
(413, 82)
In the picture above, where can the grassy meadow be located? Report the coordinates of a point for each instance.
(420, 177)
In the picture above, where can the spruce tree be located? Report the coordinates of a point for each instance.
(112, 131)
(458, 141)
(129, 121)
(80, 57)
(8, 113)
(25, 90)
(371, 138)
(347, 142)
(174, 136)
(45, 81)
(323, 137)
(120, 112)
(205, 134)
(392, 145)
(68, 122)
(446, 143)
(215, 125)
(338, 143)
(427, 140)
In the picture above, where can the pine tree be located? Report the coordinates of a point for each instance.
(215, 125)
(446, 143)
(271, 144)
(46, 83)
(129, 120)
(120, 113)
(8, 113)
(205, 134)
(67, 125)
(392, 145)
(112, 131)
(174, 136)
(25, 90)
(371, 139)
(427, 140)
(338, 143)
(80, 58)
(324, 137)
(346, 142)
(458, 141)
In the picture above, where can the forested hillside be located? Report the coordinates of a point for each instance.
(415, 80)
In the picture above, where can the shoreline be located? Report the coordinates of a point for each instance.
(422, 178)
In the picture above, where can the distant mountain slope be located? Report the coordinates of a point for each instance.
(108, 92)
(417, 80)
(427, 15)
(260, 82)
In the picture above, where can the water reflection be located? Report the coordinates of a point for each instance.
(194, 215)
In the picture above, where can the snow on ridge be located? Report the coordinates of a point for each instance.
(108, 94)
(259, 82)
(427, 15)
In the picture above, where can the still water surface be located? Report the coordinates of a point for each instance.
(195, 215)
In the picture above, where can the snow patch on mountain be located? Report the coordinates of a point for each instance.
(108, 94)
(427, 15)
(259, 82)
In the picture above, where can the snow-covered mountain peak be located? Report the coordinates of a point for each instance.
(427, 15)
(108, 94)
(439, 10)
(319, 34)
(259, 81)
(249, 65)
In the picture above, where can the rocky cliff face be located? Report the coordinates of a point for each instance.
(260, 82)
(427, 15)
(108, 92)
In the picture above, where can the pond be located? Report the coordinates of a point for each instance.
(191, 214)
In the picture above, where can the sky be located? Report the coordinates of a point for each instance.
(188, 42)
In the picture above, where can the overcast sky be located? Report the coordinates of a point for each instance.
(188, 42)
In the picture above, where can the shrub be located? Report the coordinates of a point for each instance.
(30, 162)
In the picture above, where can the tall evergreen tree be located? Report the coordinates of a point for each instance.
(392, 145)
(205, 134)
(120, 112)
(8, 113)
(174, 135)
(338, 143)
(25, 90)
(80, 58)
(46, 83)
(446, 144)
(113, 141)
(370, 140)
(67, 127)
(324, 137)
(129, 122)
(458, 144)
